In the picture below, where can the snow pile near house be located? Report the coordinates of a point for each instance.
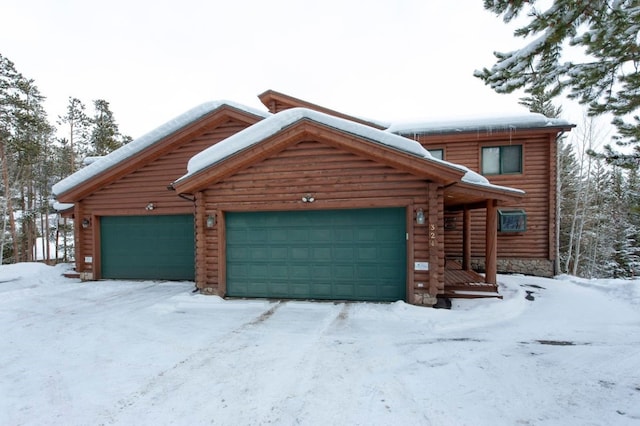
(116, 352)
(101, 164)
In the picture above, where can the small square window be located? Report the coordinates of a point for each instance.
(437, 153)
(512, 220)
(497, 160)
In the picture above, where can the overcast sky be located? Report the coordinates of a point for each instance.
(152, 60)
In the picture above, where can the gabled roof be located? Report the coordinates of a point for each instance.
(207, 165)
(277, 102)
(484, 124)
(98, 171)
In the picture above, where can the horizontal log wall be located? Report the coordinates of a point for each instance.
(537, 180)
(337, 179)
(130, 194)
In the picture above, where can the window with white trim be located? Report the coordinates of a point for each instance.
(502, 160)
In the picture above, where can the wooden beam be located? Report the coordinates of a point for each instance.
(491, 250)
(466, 239)
(434, 237)
(222, 253)
(201, 239)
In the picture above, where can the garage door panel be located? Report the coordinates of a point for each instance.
(335, 254)
(321, 254)
(147, 247)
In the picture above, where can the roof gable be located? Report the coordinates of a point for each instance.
(150, 146)
(280, 130)
(277, 102)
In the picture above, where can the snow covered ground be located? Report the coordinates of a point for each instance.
(127, 353)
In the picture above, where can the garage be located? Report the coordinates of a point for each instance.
(354, 254)
(147, 247)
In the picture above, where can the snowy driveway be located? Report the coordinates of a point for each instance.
(154, 353)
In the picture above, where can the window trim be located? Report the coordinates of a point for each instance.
(436, 149)
(503, 214)
(500, 156)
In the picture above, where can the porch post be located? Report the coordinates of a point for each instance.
(466, 239)
(491, 250)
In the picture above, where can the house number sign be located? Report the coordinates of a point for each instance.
(433, 236)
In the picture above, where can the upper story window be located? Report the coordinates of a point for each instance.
(498, 160)
(437, 153)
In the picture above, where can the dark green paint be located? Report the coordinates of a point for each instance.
(335, 254)
(147, 247)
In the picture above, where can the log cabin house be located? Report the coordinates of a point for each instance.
(306, 202)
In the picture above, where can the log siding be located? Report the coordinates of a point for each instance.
(537, 179)
(130, 194)
(338, 180)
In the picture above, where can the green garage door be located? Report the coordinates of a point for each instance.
(147, 247)
(335, 254)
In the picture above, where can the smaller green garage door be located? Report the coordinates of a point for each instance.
(147, 247)
(335, 254)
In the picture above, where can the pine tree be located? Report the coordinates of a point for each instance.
(10, 103)
(105, 136)
(24, 131)
(607, 82)
(569, 186)
(624, 256)
(78, 123)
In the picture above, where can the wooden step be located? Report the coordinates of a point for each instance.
(71, 275)
(471, 294)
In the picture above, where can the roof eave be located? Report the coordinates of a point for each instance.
(94, 182)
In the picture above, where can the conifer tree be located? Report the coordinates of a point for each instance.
(105, 136)
(23, 132)
(78, 128)
(608, 81)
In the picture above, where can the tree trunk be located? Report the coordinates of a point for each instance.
(7, 194)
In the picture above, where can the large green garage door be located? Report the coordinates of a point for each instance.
(147, 247)
(335, 254)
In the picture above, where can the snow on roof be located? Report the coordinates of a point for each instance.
(479, 123)
(272, 125)
(60, 207)
(104, 163)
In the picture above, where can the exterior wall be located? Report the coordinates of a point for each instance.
(337, 180)
(130, 194)
(517, 252)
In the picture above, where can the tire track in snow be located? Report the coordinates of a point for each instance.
(171, 377)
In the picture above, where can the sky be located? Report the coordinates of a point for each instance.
(399, 60)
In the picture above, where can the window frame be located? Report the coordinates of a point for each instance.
(503, 214)
(501, 148)
(436, 149)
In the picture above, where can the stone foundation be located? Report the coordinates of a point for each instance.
(424, 299)
(535, 267)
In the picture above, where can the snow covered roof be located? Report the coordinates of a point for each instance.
(60, 207)
(487, 124)
(272, 125)
(129, 150)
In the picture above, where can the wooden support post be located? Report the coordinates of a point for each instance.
(466, 239)
(491, 250)
(201, 238)
(435, 251)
